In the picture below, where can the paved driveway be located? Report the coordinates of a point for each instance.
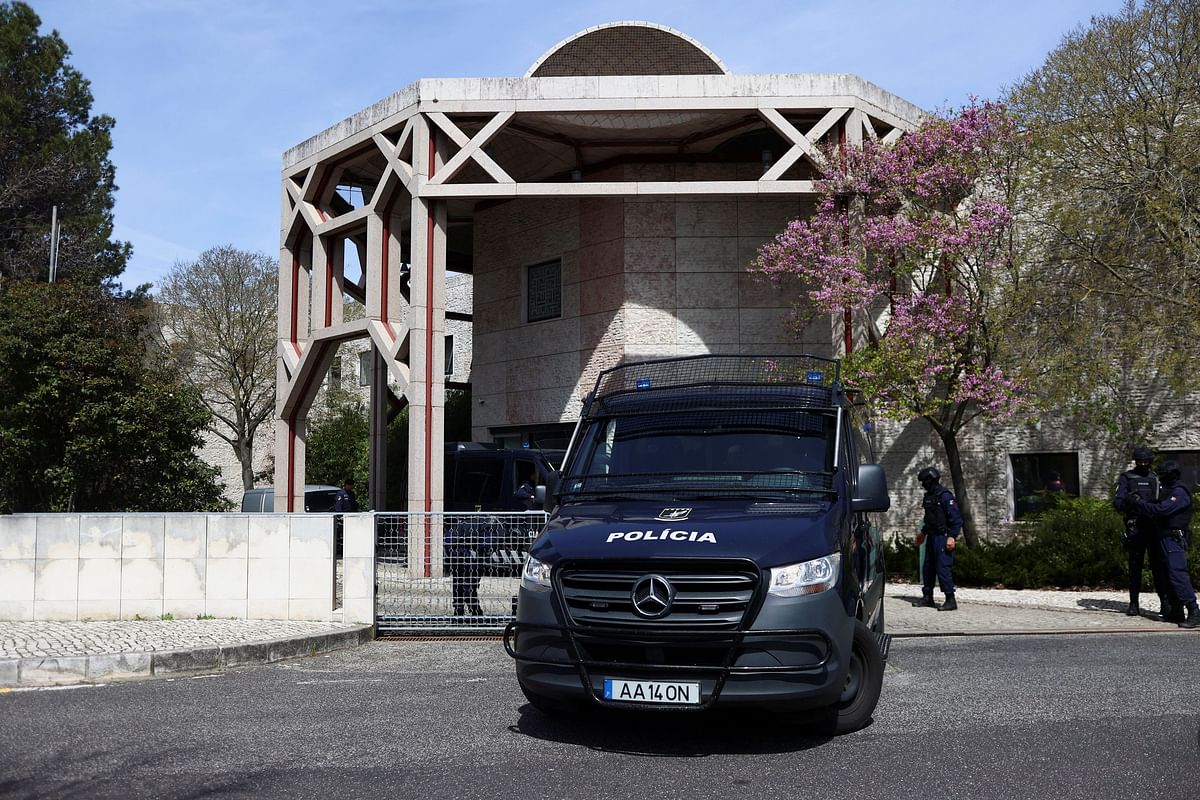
(961, 717)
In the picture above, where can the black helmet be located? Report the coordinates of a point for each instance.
(1169, 472)
(929, 477)
(1143, 454)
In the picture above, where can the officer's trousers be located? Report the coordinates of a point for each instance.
(940, 563)
(1174, 553)
(1145, 543)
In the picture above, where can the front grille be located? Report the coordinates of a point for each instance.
(709, 595)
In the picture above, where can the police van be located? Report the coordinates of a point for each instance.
(710, 544)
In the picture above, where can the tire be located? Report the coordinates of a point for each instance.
(864, 682)
(550, 707)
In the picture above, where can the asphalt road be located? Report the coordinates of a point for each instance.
(1096, 716)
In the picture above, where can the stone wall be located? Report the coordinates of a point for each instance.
(125, 566)
(987, 449)
(641, 278)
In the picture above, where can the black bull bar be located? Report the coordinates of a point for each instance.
(733, 641)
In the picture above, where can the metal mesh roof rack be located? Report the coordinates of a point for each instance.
(801, 381)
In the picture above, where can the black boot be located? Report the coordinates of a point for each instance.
(926, 601)
(1173, 612)
(1193, 616)
(950, 604)
(1134, 609)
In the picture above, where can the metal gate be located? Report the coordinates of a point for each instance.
(450, 572)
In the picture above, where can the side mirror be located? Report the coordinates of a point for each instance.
(539, 495)
(872, 492)
(549, 491)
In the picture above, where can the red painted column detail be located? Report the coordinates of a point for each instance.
(383, 282)
(429, 253)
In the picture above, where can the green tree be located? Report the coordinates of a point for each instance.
(53, 152)
(220, 316)
(96, 416)
(338, 442)
(1113, 117)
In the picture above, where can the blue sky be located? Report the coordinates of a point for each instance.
(207, 95)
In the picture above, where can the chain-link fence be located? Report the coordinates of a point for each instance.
(450, 571)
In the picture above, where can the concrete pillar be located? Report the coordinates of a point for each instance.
(427, 326)
(377, 498)
(295, 264)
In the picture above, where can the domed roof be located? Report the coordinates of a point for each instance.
(627, 48)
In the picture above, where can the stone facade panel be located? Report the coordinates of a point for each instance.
(649, 326)
(650, 254)
(706, 289)
(601, 294)
(654, 218)
(707, 254)
(652, 289)
(706, 218)
(708, 326)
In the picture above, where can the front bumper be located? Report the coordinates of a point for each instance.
(793, 656)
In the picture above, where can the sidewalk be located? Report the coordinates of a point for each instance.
(1009, 611)
(49, 653)
(44, 653)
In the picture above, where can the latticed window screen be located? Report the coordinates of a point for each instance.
(544, 291)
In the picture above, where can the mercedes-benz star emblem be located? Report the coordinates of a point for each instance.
(652, 596)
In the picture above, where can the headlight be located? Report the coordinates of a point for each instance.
(536, 575)
(809, 577)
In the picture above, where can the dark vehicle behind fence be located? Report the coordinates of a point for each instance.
(317, 499)
(485, 477)
(710, 543)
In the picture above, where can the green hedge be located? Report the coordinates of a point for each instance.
(1074, 544)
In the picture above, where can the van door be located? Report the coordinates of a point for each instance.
(473, 483)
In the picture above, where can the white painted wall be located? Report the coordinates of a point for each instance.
(122, 566)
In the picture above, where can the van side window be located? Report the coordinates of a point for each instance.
(476, 484)
(523, 470)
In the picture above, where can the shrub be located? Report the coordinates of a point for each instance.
(1074, 543)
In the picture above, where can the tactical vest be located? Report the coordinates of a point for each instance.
(935, 516)
(1144, 486)
(1182, 518)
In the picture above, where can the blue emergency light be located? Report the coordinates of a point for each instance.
(642, 383)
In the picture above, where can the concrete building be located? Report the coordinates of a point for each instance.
(607, 204)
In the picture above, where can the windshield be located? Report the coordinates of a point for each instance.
(726, 452)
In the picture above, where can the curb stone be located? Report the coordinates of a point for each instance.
(65, 670)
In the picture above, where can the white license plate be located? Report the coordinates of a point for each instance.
(622, 691)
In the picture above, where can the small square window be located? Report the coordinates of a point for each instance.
(1036, 476)
(543, 291)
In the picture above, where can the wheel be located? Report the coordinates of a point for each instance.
(551, 707)
(864, 681)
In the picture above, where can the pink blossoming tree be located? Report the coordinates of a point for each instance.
(914, 243)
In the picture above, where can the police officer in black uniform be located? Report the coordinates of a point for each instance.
(941, 527)
(1139, 537)
(526, 493)
(1173, 513)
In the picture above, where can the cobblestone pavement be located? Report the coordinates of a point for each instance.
(34, 653)
(54, 639)
(980, 611)
(983, 611)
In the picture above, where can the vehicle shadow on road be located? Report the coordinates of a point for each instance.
(690, 735)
